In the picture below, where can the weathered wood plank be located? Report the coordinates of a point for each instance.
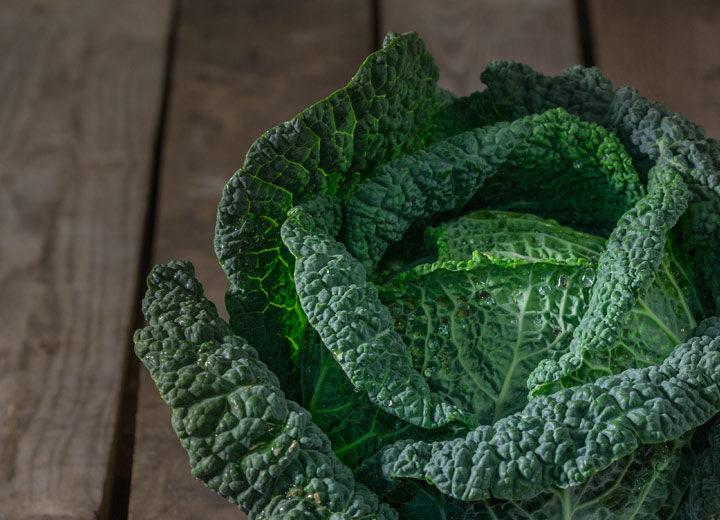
(80, 89)
(666, 50)
(464, 35)
(240, 69)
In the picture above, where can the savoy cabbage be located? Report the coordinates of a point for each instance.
(498, 306)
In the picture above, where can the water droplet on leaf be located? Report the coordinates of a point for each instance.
(486, 298)
(588, 277)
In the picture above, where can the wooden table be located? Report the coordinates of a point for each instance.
(119, 124)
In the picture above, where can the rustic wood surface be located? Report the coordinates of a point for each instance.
(464, 35)
(239, 70)
(81, 91)
(80, 86)
(669, 53)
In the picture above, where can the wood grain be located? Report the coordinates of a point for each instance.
(667, 51)
(80, 84)
(464, 35)
(240, 68)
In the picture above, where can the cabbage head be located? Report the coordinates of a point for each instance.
(499, 306)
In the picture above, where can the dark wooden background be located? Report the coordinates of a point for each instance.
(120, 122)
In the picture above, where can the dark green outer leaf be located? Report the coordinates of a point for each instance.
(386, 109)
(633, 254)
(516, 90)
(640, 123)
(637, 487)
(563, 161)
(645, 125)
(356, 427)
(244, 438)
(703, 499)
(646, 485)
(565, 438)
(344, 308)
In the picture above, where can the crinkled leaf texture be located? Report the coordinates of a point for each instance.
(244, 438)
(565, 438)
(703, 500)
(508, 291)
(405, 265)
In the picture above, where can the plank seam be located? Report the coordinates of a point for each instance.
(585, 33)
(119, 477)
(376, 25)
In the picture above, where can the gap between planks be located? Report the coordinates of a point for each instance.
(120, 470)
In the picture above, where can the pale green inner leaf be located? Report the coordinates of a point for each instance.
(506, 292)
